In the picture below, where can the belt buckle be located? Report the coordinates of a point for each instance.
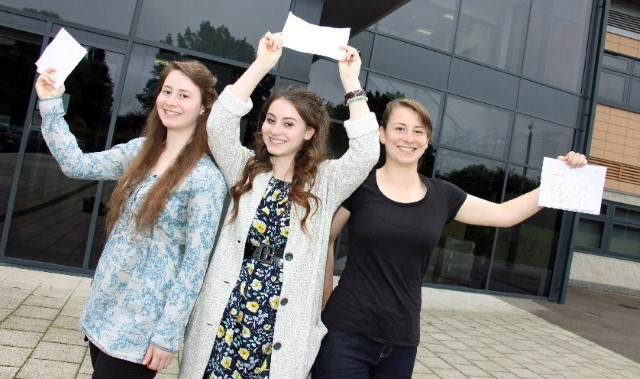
(265, 253)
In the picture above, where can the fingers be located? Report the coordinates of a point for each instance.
(574, 159)
(157, 359)
(351, 54)
(273, 41)
(148, 356)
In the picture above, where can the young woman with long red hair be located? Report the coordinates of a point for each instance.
(162, 220)
(258, 314)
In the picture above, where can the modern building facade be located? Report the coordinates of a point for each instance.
(507, 83)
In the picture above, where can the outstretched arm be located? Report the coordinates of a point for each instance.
(340, 219)
(476, 211)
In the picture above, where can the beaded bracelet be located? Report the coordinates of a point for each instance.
(356, 98)
(352, 94)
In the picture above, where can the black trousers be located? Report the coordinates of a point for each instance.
(108, 367)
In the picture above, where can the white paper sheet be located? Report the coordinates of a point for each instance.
(572, 189)
(302, 36)
(63, 53)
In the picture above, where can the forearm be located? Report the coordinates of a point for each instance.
(521, 208)
(245, 85)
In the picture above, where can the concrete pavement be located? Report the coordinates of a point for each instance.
(464, 335)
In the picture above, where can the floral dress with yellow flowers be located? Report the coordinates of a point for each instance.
(242, 348)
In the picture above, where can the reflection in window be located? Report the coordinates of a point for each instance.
(525, 254)
(464, 251)
(590, 233)
(615, 62)
(475, 127)
(112, 15)
(52, 214)
(628, 214)
(556, 42)
(429, 22)
(634, 94)
(625, 240)
(225, 28)
(612, 87)
(493, 32)
(534, 139)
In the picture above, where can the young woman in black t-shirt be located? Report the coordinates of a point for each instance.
(395, 219)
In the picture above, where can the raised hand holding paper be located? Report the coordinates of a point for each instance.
(302, 36)
(577, 189)
(63, 53)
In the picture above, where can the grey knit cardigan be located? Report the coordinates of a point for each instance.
(298, 329)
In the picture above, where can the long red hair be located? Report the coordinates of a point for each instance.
(155, 136)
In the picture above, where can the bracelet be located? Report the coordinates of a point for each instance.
(355, 99)
(352, 94)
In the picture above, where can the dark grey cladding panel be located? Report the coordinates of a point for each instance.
(548, 103)
(356, 14)
(407, 61)
(483, 83)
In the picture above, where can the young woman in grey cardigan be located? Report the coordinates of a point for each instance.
(258, 314)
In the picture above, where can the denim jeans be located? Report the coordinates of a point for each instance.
(354, 356)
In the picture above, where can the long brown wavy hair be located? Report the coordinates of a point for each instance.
(314, 113)
(155, 136)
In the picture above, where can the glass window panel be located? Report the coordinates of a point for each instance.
(590, 233)
(225, 28)
(363, 41)
(463, 253)
(18, 51)
(324, 79)
(534, 139)
(525, 254)
(112, 15)
(628, 214)
(557, 41)
(636, 68)
(493, 32)
(52, 212)
(424, 66)
(428, 22)
(381, 90)
(625, 240)
(634, 93)
(612, 86)
(475, 127)
(615, 62)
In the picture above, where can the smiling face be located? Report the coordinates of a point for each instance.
(405, 137)
(283, 130)
(179, 102)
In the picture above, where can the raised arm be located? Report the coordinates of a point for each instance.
(352, 168)
(269, 52)
(110, 164)
(476, 211)
(340, 219)
(223, 125)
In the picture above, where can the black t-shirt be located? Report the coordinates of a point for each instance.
(379, 292)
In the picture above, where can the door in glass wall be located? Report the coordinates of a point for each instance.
(18, 52)
(52, 213)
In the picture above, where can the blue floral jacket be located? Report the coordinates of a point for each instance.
(146, 283)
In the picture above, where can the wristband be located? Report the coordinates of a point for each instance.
(356, 98)
(352, 94)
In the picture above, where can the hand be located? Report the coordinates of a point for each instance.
(269, 49)
(45, 85)
(349, 67)
(574, 160)
(157, 359)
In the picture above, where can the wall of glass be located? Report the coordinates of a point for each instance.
(502, 80)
